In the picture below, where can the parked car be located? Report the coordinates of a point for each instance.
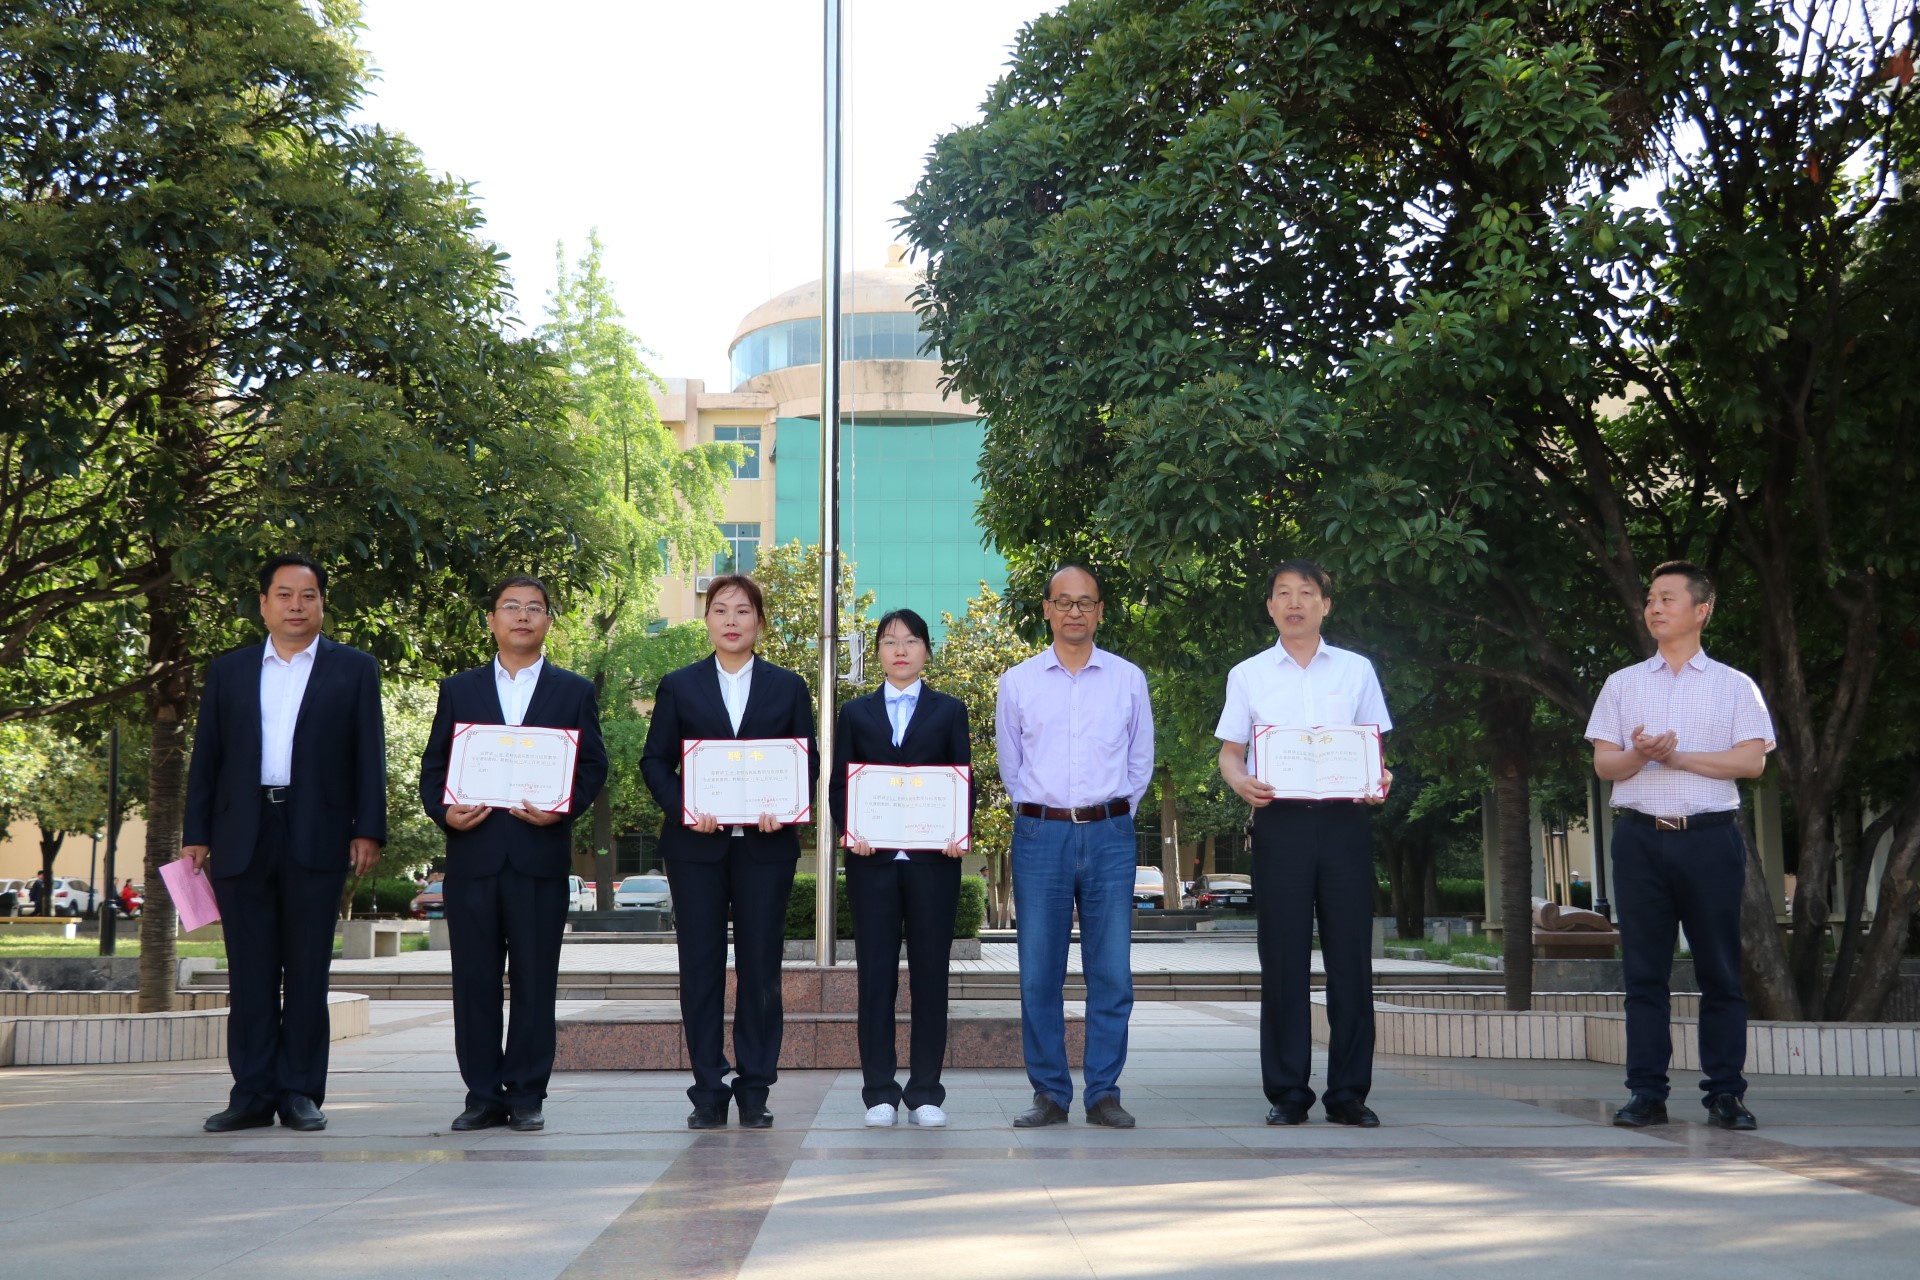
(73, 897)
(1149, 888)
(19, 901)
(582, 895)
(644, 891)
(1220, 892)
(428, 904)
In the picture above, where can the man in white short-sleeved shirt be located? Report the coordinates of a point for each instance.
(1673, 733)
(1307, 852)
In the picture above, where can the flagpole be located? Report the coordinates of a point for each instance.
(829, 482)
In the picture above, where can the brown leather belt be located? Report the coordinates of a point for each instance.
(1679, 822)
(1085, 813)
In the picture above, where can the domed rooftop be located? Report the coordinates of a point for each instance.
(876, 290)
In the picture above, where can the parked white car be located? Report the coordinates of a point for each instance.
(644, 891)
(73, 897)
(582, 894)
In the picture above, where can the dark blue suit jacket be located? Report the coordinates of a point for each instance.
(561, 700)
(937, 733)
(339, 787)
(688, 705)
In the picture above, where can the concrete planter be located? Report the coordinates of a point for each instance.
(802, 949)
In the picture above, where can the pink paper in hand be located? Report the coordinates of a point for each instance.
(192, 894)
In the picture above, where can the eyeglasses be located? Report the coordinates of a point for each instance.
(1066, 605)
(899, 642)
(531, 612)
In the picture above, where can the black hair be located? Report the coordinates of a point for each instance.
(913, 622)
(747, 587)
(1699, 585)
(291, 560)
(519, 580)
(1099, 588)
(1306, 569)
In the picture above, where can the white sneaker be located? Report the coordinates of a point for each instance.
(881, 1117)
(929, 1116)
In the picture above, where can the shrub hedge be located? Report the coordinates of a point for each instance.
(972, 912)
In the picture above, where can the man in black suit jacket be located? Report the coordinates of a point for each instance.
(287, 789)
(714, 871)
(506, 873)
(903, 722)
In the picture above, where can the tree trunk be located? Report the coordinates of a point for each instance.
(1886, 942)
(50, 842)
(1855, 853)
(1003, 889)
(167, 706)
(1207, 860)
(1508, 716)
(1812, 905)
(1169, 843)
(1764, 974)
(602, 826)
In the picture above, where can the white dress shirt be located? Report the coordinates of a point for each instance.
(735, 687)
(516, 691)
(283, 683)
(1337, 686)
(900, 708)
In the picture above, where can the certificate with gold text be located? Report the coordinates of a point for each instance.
(893, 806)
(1325, 762)
(738, 779)
(501, 765)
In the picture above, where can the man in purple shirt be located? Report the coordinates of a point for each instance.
(1075, 734)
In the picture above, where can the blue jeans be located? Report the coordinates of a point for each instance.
(1055, 866)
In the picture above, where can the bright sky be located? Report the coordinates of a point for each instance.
(688, 133)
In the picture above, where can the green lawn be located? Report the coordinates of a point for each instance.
(126, 943)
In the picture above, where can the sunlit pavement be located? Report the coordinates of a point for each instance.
(1480, 1169)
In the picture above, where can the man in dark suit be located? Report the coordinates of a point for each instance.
(287, 789)
(506, 874)
(745, 872)
(903, 722)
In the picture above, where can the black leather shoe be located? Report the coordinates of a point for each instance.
(527, 1120)
(1726, 1111)
(1043, 1112)
(1642, 1109)
(1287, 1113)
(707, 1115)
(236, 1118)
(755, 1117)
(299, 1113)
(1358, 1114)
(1110, 1113)
(483, 1117)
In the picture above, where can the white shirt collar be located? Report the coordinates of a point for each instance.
(1698, 661)
(531, 673)
(1280, 653)
(894, 695)
(273, 655)
(742, 673)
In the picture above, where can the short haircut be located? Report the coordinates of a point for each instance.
(291, 560)
(913, 622)
(1304, 568)
(746, 584)
(1699, 585)
(1099, 588)
(519, 580)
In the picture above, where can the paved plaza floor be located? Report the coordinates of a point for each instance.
(1485, 1170)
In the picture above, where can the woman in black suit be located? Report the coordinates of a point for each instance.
(714, 871)
(902, 722)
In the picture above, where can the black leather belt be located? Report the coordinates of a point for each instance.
(276, 795)
(1085, 813)
(1680, 822)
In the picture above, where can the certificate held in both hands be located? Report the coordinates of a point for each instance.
(735, 780)
(502, 765)
(1325, 762)
(908, 806)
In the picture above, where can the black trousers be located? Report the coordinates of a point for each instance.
(1663, 881)
(506, 922)
(923, 896)
(755, 893)
(1314, 859)
(278, 918)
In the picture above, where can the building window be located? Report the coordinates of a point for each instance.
(749, 468)
(743, 547)
(867, 335)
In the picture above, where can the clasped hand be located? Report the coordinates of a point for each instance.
(706, 824)
(1657, 747)
(865, 850)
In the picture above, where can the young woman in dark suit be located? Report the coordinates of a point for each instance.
(903, 722)
(714, 871)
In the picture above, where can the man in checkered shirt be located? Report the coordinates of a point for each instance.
(1672, 734)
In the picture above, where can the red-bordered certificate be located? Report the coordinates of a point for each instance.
(500, 765)
(738, 779)
(1325, 762)
(897, 806)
